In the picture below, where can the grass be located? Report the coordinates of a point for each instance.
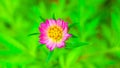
(93, 24)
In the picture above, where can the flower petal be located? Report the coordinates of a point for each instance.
(53, 21)
(43, 27)
(51, 45)
(65, 25)
(60, 45)
(65, 30)
(50, 22)
(66, 36)
(59, 22)
(43, 41)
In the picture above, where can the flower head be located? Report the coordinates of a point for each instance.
(54, 33)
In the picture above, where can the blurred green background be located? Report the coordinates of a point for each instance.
(95, 22)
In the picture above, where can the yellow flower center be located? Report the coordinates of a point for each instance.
(55, 33)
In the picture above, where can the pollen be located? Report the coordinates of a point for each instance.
(55, 33)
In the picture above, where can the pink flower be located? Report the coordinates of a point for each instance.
(54, 33)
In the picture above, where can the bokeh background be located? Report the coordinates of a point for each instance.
(95, 25)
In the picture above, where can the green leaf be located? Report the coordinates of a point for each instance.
(13, 46)
(74, 36)
(54, 17)
(39, 46)
(75, 45)
(49, 56)
(74, 42)
(72, 25)
(33, 34)
(42, 18)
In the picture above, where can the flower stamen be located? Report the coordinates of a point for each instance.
(55, 33)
